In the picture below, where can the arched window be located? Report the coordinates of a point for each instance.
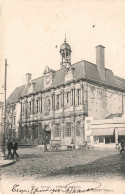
(47, 104)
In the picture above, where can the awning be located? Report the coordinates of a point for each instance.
(121, 131)
(102, 132)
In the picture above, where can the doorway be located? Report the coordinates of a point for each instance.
(48, 136)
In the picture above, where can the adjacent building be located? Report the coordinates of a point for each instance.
(57, 104)
(109, 131)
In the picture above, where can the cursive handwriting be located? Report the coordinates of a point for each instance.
(71, 188)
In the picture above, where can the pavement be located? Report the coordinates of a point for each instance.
(5, 162)
(93, 165)
(33, 162)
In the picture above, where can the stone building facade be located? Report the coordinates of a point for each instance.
(55, 105)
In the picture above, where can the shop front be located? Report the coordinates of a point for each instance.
(103, 136)
(108, 132)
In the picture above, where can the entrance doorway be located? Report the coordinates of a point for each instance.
(48, 136)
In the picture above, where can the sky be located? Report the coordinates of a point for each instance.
(30, 30)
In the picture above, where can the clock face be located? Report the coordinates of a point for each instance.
(47, 79)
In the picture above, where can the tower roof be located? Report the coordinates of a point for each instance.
(65, 45)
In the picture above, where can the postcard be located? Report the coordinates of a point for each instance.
(62, 97)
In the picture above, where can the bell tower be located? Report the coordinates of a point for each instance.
(65, 54)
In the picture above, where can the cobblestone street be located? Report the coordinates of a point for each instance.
(35, 163)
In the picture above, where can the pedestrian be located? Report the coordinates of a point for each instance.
(122, 146)
(15, 146)
(9, 148)
(45, 146)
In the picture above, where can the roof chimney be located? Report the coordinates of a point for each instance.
(100, 60)
(28, 77)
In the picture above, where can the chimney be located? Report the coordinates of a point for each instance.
(28, 77)
(100, 60)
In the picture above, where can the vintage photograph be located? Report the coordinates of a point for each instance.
(62, 97)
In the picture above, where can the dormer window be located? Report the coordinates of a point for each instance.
(31, 87)
(48, 76)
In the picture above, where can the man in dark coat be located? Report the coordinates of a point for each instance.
(15, 145)
(9, 148)
(122, 146)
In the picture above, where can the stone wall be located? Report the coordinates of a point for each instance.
(102, 102)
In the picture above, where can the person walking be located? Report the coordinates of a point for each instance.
(45, 145)
(122, 146)
(15, 146)
(9, 148)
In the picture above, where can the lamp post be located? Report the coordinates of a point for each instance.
(4, 111)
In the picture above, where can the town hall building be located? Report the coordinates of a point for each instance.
(55, 105)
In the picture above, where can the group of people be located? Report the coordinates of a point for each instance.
(12, 149)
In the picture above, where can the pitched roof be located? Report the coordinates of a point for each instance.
(16, 94)
(38, 86)
(82, 69)
(121, 82)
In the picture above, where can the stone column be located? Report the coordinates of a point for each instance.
(43, 102)
(51, 101)
(53, 130)
(32, 133)
(86, 98)
(116, 136)
(53, 104)
(73, 98)
(73, 130)
(62, 99)
(26, 107)
(39, 104)
(82, 129)
(32, 105)
(82, 93)
(21, 111)
(123, 104)
(25, 134)
(62, 130)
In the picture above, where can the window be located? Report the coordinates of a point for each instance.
(101, 139)
(30, 107)
(35, 132)
(66, 54)
(78, 128)
(68, 130)
(37, 106)
(58, 101)
(79, 96)
(41, 105)
(14, 106)
(68, 98)
(58, 131)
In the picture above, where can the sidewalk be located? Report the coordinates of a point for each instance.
(6, 162)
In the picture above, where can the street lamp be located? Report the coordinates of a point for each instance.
(4, 116)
